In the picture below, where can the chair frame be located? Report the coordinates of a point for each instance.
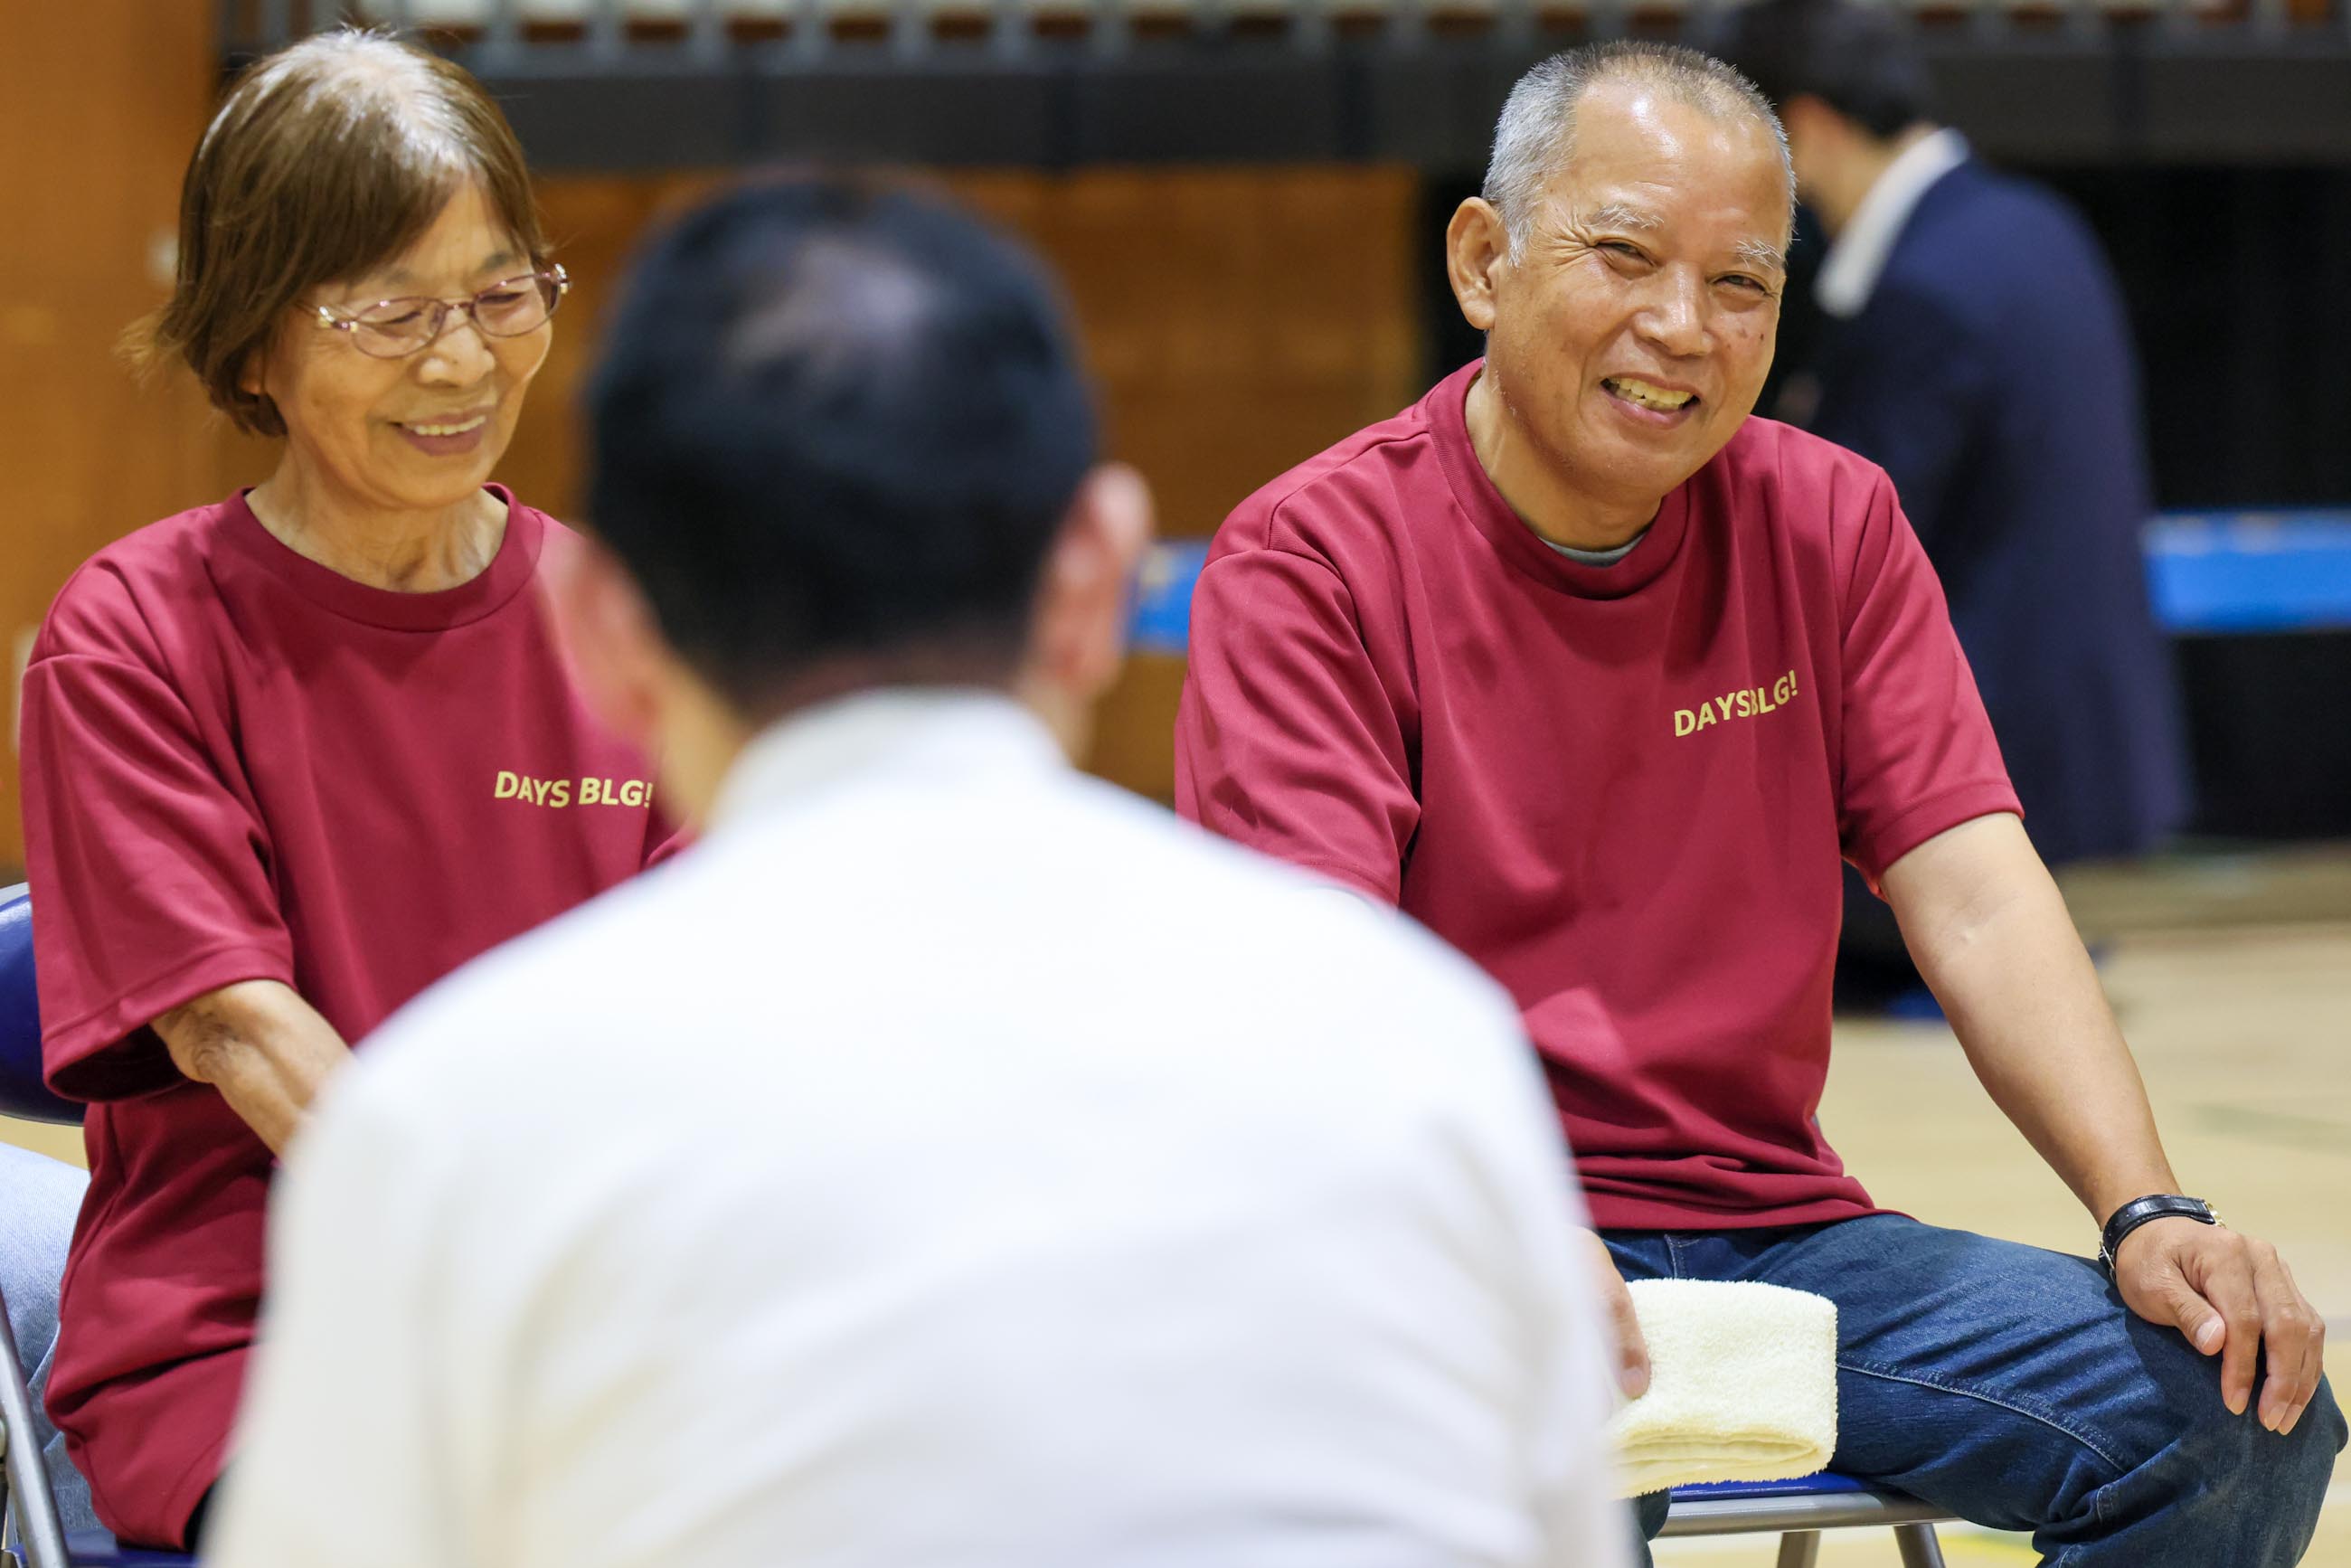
(1800, 1517)
(31, 1534)
(28, 1510)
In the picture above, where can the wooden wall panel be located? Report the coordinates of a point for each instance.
(100, 103)
(1237, 321)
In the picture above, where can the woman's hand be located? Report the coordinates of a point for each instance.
(262, 1046)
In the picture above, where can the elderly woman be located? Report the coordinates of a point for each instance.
(291, 756)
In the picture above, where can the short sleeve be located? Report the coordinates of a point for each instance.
(1286, 739)
(149, 871)
(1917, 755)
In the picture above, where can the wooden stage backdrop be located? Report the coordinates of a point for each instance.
(1237, 319)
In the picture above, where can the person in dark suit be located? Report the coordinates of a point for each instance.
(1975, 345)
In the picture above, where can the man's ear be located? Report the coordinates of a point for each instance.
(1476, 247)
(1808, 111)
(1819, 136)
(611, 644)
(1077, 634)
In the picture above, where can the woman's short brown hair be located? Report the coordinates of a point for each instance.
(327, 160)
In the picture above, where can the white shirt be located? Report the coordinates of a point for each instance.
(951, 1162)
(1850, 271)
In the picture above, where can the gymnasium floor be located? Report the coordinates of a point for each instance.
(2233, 978)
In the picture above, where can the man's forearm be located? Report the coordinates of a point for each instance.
(262, 1046)
(1991, 935)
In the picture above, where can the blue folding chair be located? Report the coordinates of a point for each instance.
(1800, 1510)
(30, 1534)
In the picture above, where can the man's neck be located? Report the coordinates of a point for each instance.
(1836, 198)
(1545, 501)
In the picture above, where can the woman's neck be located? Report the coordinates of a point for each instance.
(401, 550)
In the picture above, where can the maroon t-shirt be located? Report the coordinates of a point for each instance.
(240, 764)
(1624, 791)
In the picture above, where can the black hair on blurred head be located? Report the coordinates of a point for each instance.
(1856, 57)
(836, 418)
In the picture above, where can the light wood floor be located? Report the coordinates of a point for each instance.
(2232, 977)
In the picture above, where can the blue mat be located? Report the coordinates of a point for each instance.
(2225, 573)
(101, 1552)
(1163, 596)
(2238, 573)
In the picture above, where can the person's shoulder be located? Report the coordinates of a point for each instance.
(1793, 474)
(555, 535)
(1773, 480)
(1982, 236)
(559, 548)
(1286, 944)
(1348, 486)
(117, 601)
(1982, 192)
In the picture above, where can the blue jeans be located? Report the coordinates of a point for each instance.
(38, 1200)
(2012, 1386)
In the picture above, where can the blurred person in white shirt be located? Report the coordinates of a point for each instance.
(950, 1160)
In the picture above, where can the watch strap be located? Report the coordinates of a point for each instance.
(2139, 1210)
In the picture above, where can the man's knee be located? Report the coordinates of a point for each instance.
(2293, 1470)
(2252, 1485)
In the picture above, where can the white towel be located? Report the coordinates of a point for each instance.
(1742, 1386)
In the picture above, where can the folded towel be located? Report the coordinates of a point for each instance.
(1742, 1386)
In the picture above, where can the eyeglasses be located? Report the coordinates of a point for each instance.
(395, 328)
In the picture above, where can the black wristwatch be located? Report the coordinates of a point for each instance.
(2139, 1210)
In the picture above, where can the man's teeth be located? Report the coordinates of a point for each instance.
(1647, 396)
(473, 423)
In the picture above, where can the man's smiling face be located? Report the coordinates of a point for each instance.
(1632, 329)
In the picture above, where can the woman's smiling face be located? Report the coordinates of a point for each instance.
(423, 432)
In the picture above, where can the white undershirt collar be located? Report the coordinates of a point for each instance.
(1855, 262)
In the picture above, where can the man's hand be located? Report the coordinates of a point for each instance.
(262, 1046)
(1991, 935)
(1632, 1350)
(2231, 1295)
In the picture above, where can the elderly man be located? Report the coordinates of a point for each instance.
(1598, 678)
(878, 1185)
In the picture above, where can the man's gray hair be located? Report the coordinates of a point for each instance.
(1536, 134)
